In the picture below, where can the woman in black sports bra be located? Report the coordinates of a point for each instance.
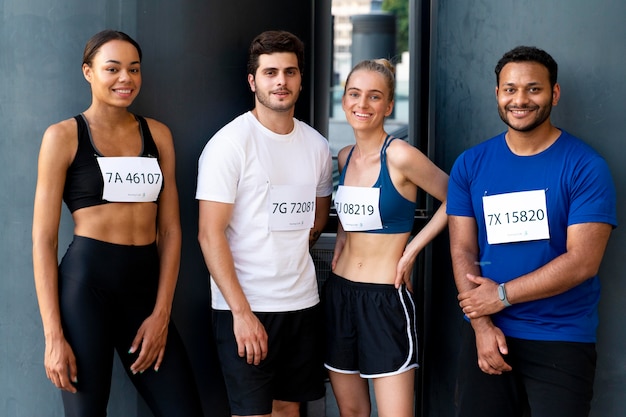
(371, 331)
(114, 287)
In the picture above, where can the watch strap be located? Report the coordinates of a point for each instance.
(502, 295)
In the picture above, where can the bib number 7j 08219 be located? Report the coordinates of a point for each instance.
(358, 208)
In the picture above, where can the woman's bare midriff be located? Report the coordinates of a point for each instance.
(119, 223)
(371, 257)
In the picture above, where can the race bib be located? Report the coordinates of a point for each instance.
(130, 179)
(357, 208)
(292, 207)
(516, 217)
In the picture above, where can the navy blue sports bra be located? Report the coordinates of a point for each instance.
(396, 212)
(83, 183)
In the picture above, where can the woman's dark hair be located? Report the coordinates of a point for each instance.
(96, 41)
(529, 54)
(273, 41)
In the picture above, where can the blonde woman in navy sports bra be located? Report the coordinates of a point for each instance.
(370, 315)
(114, 287)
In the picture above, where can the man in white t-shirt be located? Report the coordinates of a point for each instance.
(264, 187)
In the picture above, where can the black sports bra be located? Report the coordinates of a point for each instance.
(396, 212)
(84, 185)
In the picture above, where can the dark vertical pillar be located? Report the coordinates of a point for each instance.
(373, 36)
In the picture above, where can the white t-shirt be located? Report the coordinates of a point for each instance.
(248, 165)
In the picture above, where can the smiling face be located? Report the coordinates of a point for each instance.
(277, 82)
(366, 101)
(114, 73)
(525, 97)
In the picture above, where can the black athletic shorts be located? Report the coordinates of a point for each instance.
(370, 328)
(292, 371)
(549, 378)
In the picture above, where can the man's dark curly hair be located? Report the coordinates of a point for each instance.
(529, 54)
(275, 41)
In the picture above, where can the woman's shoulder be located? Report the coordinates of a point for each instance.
(62, 133)
(160, 133)
(155, 126)
(59, 143)
(400, 153)
(343, 153)
(64, 126)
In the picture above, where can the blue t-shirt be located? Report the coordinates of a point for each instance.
(578, 189)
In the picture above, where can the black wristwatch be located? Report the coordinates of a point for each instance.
(502, 295)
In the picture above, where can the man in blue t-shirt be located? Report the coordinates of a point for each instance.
(530, 214)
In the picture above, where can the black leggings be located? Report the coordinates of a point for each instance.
(106, 291)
